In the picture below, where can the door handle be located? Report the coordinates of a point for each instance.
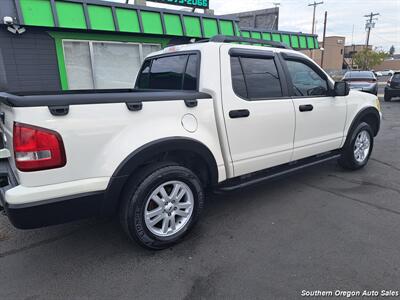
(240, 113)
(306, 107)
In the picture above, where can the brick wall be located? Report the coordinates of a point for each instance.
(390, 64)
(29, 61)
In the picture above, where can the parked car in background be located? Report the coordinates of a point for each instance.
(364, 81)
(392, 88)
(387, 72)
(378, 74)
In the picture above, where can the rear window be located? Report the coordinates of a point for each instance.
(396, 77)
(359, 75)
(178, 72)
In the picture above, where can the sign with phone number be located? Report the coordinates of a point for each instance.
(188, 3)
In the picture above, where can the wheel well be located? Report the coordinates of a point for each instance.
(372, 120)
(191, 160)
(184, 151)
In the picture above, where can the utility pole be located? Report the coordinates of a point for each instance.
(276, 5)
(369, 25)
(315, 4)
(323, 40)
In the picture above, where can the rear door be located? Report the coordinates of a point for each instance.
(259, 114)
(320, 118)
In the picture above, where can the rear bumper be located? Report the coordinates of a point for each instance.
(40, 213)
(55, 211)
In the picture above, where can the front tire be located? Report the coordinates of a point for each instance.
(357, 150)
(162, 206)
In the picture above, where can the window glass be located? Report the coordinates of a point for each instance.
(396, 77)
(190, 81)
(78, 65)
(306, 81)
(170, 73)
(144, 78)
(167, 72)
(359, 75)
(261, 78)
(115, 64)
(238, 83)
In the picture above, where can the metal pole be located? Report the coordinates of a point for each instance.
(315, 4)
(369, 25)
(313, 20)
(369, 30)
(323, 40)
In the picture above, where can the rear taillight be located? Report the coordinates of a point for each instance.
(37, 148)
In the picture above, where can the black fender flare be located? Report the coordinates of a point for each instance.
(145, 153)
(359, 116)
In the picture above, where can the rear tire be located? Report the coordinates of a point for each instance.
(387, 98)
(161, 205)
(358, 148)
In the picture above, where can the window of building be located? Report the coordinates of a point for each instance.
(177, 72)
(306, 81)
(255, 78)
(104, 65)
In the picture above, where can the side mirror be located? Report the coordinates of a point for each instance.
(342, 88)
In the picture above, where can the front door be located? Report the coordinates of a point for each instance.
(259, 114)
(320, 118)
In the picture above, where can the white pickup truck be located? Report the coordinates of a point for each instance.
(203, 116)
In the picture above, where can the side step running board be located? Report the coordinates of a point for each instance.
(275, 172)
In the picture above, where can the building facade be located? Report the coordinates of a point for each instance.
(264, 19)
(333, 50)
(52, 45)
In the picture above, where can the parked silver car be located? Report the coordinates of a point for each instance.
(362, 81)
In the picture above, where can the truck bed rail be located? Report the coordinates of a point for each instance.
(96, 97)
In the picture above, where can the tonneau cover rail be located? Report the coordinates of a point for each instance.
(98, 97)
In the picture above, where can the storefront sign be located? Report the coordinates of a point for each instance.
(187, 3)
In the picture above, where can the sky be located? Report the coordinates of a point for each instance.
(345, 17)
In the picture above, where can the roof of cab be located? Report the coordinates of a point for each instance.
(205, 45)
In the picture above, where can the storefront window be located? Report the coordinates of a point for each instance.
(104, 65)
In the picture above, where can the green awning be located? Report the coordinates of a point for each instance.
(96, 15)
(118, 17)
(296, 40)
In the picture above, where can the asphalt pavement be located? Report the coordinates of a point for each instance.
(321, 229)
